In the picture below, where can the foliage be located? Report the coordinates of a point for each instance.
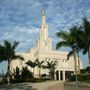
(85, 37)
(25, 73)
(86, 70)
(69, 39)
(21, 75)
(40, 65)
(83, 71)
(7, 52)
(81, 78)
(51, 66)
(17, 73)
(32, 64)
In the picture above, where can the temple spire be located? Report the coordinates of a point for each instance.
(44, 42)
(43, 17)
(43, 12)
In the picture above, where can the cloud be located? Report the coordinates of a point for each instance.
(20, 20)
(23, 35)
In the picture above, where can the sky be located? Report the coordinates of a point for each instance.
(20, 21)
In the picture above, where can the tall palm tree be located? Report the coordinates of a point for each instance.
(51, 66)
(70, 39)
(32, 64)
(40, 66)
(85, 39)
(7, 53)
(75, 32)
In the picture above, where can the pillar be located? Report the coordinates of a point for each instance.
(63, 75)
(59, 75)
(55, 75)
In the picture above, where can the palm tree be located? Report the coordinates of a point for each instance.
(7, 53)
(70, 39)
(26, 73)
(51, 66)
(16, 74)
(85, 39)
(76, 36)
(40, 66)
(32, 64)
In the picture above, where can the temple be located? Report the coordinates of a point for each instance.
(43, 51)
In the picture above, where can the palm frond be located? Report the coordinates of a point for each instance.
(62, 34)
(15, 45)
(31, 64)
(69, 54)
(17, 57)
(7, 45)
(61, 43)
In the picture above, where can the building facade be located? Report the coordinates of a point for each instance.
(43, 51)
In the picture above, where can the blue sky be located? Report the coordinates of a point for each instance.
(20, 20)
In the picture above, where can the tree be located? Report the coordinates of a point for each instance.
(75, 32)
(25, 73)
(85, 39)
(7, 53)
(32, 64)
(51, 66)
(16, 73)
(16, 76)
(70, 39)
(40, 66)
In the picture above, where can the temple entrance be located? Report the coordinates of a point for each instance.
(68, 74)
(57, 75)
(63, 75)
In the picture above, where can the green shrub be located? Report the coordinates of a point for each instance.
(88, 69)
(72, 78)
(21, 75)
(25, 73)
(17, 80)
(4, 81)
(82, 77)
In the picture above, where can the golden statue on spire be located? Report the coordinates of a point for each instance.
(43, 12)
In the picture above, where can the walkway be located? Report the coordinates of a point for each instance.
(49, 85)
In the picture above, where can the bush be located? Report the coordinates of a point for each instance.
(26, 73)
(71, 78)
(21, 75)
(83, 71)
(4, 81)
(17, 80)
(83, 77)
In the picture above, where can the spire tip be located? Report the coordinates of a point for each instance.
(43, 12)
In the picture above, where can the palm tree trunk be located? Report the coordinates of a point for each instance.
(78, 64)
(39, 72)
(50, 74)
(75, 66)
(33, 72)
(8, 72)
(89, 54)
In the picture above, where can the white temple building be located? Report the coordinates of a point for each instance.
(43, 51)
